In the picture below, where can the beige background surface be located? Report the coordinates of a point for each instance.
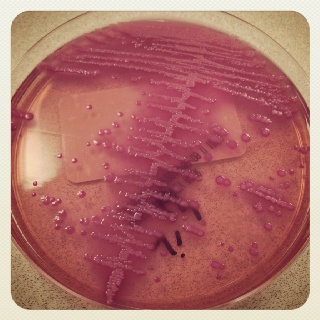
(31, 290)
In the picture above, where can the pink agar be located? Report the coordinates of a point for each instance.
(176, 121)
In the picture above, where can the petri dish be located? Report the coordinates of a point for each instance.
(236, 241)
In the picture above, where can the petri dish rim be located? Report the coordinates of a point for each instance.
(53, 41)
(20, 93)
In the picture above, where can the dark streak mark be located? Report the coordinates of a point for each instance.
(168, 246)
(178, 237)
(197, 214)
(195, 156)
(157, 243)
(182, 209)
(204, 150)
(211, 144)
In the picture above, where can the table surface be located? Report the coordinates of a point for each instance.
(290, 290)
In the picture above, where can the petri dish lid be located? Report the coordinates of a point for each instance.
(24, 228)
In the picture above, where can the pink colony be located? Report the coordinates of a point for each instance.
(245, 137)
(281, 172)
(253, 251)
(81, 194)
(208, 156)
(265, 132)
(268, 226)
(232, 144)
(219, 179)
